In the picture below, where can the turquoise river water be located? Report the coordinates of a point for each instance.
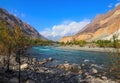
(71, 56)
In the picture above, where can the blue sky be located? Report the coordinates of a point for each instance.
(57, 18)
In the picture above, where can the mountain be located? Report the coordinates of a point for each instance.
(102, 27)
(13, 21)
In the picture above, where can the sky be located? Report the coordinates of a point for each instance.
(57, 18)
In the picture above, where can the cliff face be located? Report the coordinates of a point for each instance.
(101, 27)
(13, 21)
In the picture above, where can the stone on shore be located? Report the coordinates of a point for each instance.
(34, 60)
(94, 71)
(70, 67)
(50, 59)
(30, 81)
(24, 66)
(44, 61)
(14, 80)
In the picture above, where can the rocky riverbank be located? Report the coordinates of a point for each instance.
(35, 71)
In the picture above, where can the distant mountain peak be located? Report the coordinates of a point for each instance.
(13, 21)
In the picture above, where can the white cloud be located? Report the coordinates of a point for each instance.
(67, 28)
(117, 4)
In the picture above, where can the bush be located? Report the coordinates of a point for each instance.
(114, 67)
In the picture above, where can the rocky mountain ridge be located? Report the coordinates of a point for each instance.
(13, 21)
(101, 27)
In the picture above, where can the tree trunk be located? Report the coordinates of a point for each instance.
(19, 53)
(8, 61)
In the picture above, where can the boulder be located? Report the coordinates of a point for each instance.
(86, 60)
(24, 66)
(70, 67)
(34, 60)
(30, 81)
(94, 71)
(50, 59)
(93, 65)
(13, 60)
(75, 68)
(14, 80)
(24, 59)
(98, 80)
(43, 62)
(67, 66)
(104, 77)
(2, 59)
(83, 65)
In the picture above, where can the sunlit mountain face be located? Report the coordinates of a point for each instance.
(13, 21)
(102, 27)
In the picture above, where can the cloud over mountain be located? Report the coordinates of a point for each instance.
(64, 29)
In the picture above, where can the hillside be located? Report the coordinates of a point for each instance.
(13, 21)
(103, 26)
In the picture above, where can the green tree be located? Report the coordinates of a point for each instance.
(6, 41)
(114, 67)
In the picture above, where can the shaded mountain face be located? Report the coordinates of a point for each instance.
(14, 21)
(101, 27)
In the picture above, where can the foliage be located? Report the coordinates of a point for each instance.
(104, 43)
(6, 41)
(81, 43)
(40, 42)
(114, 67)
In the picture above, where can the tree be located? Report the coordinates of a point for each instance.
(12, 40)
(6, 41)
(22, 42)
(114, 67)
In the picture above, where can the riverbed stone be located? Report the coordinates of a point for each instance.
(24, 66)
(14, 80)
(66, 66)
(86, 60)
(50, 59)
(43, 62)
(94, 71)
(104, 77)
(34, 60)
(13, 60)
(2, 59)
(83, 65)
(96, 80)
(30, 81)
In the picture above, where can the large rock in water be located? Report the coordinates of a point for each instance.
(13, 21)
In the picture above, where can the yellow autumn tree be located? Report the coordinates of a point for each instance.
(6, 41)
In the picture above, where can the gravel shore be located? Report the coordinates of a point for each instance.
(96, 49)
